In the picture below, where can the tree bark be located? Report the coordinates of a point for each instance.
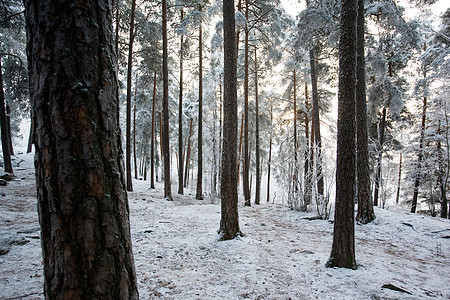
(270, 156)
(31, 136)
(380, 156)
(246, 170)
(82, 200)
(343, 249)
(152, 145)
(296, 167)
(316, 124)
(420, 156)
(165, 107)
(308, 157)
(199, 192)
(365, 206)
(4, 127)
(8, 124)
(397, 197)
(180, 116)
(134, 137)
(188, 155)
(128, 121)
(257, 154)
(441, 176)
(229, 223)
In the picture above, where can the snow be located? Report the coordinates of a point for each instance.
(281, 256)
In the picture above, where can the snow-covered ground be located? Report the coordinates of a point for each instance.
(281, 256)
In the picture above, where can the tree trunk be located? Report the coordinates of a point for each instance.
(180, 117)
(199, 193)
(188, 155)
(258, 173)
(152, 145)
(397, 197)
(442, 176)
(31, 136)
(8, 124)
(240, 149)
(296, 167)
(316, 124)
(308, 157)
(343, 249)
(365, 206)
(420, 156)
(82, 200)
(246, 169)
(134, 138)
(4, 127)
(229, 223)
(270, 156)
(380, 156)
(165, 107)
(128, 121)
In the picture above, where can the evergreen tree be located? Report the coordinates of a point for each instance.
(83, 208)
(343, 249)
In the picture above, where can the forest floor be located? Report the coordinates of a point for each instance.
(282, 254)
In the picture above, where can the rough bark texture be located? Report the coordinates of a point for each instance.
(343, 249)
(4, 128)
(165, 107)
(229, 223)
(365, 205)
(246, 170)
(180, 117)
(316, 124)
(82, 202)
(199, 192)
(128, 119)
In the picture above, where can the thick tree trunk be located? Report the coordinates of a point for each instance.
(199, 192)
(180, 117)
(4, 127)
(152, 145)
(128, 121)
(229, 223)
(246, 170)
(316, 124)
(258, 173)
(380, 156)
(365, 206)
(82, 199)
(343, 249)
(117, 19)
(165, 107)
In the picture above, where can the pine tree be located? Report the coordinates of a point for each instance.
(83, 206)
(343, 249)
(165, 112)
(229, 223)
